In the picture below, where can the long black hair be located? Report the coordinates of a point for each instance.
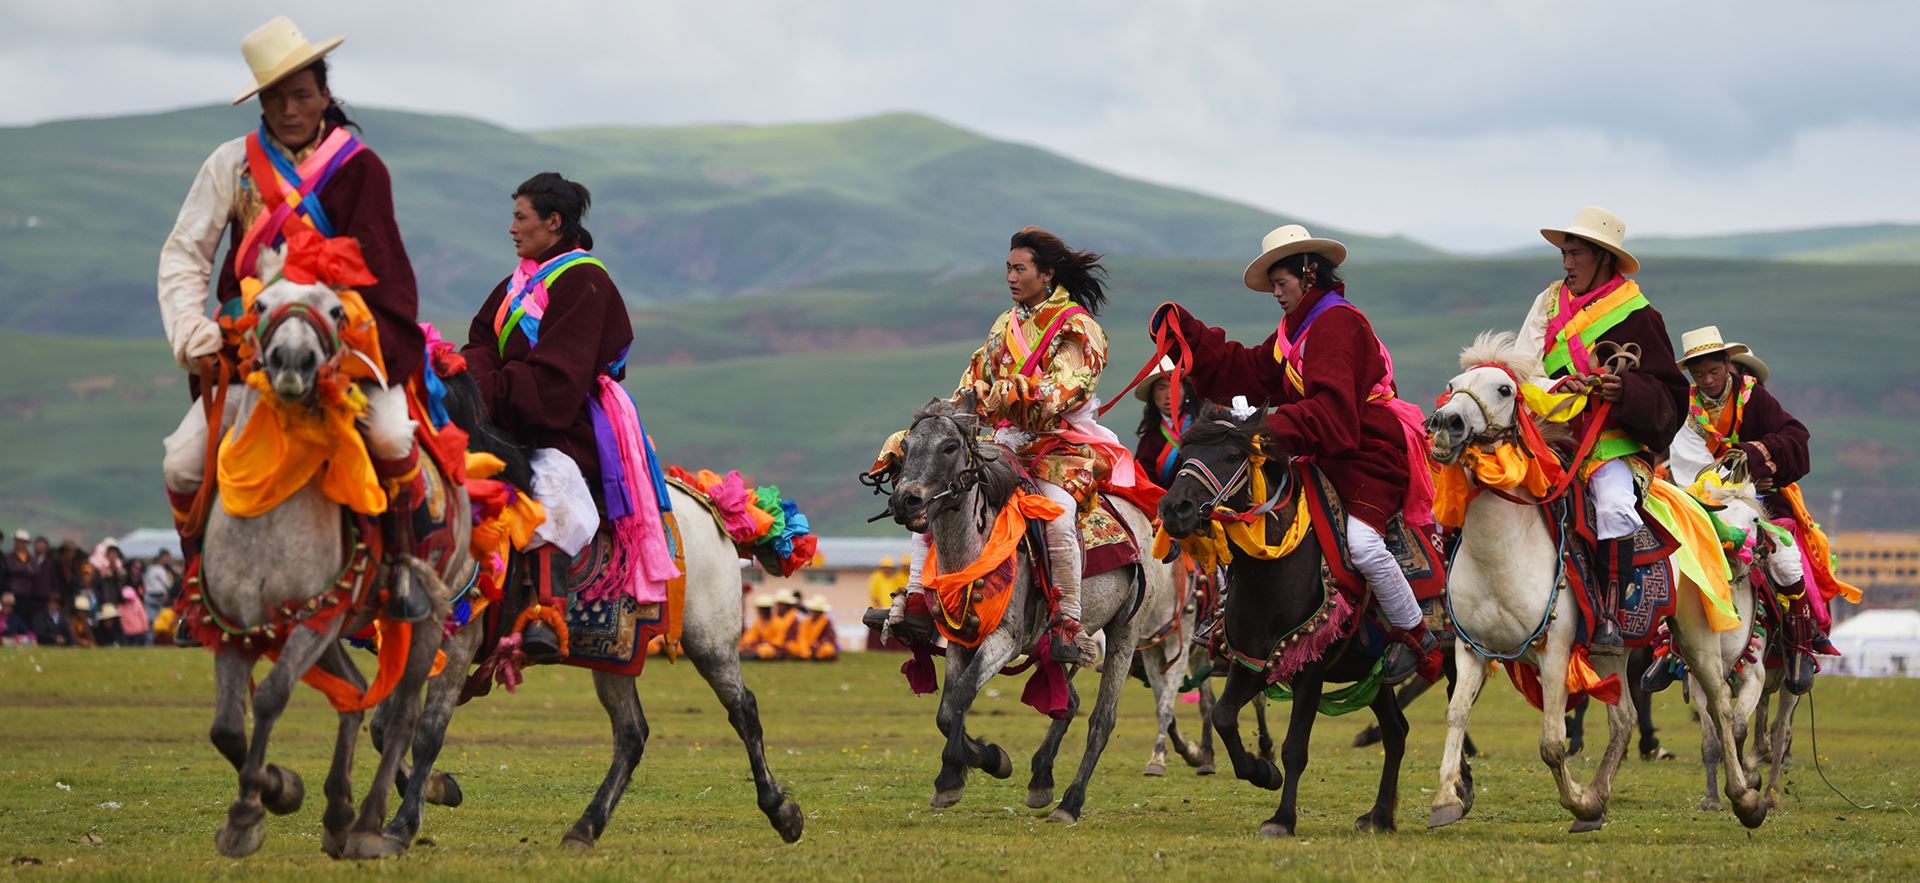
(336, 113)
(551, 194)
(1080, 271)
(1314, 272)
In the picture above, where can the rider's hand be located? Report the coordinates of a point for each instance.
(197, 337)
(1572, 383)
(1612, 387)
(1167, 312)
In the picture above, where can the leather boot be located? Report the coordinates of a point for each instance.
(1660, 675)
(1414, 650)
(401, 477)
(538, 640)
(1617, 556)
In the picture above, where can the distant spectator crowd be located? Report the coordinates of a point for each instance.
(68, 597)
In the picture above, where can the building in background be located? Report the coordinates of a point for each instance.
(841, 572)
(1885, 565)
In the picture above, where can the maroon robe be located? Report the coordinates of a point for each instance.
(1361, 448)
(1653, 400)
(358, 201)
(1775, 442)
(538, 394)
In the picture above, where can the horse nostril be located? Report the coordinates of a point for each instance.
(1455, 423)
(911, 500)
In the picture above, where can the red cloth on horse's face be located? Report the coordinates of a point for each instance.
(1362, 449)
(538, 395)
(359, 202)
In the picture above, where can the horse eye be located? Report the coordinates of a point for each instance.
(338, 313)
(952, 447)
(1505, 390)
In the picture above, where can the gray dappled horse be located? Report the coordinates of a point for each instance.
(952, 486)
(282, 559)
(710, 636)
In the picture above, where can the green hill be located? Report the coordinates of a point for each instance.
(685, 213)
(1859, 244)
(797, 388)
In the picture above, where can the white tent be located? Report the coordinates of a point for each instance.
(1877, 643)
(147, 542)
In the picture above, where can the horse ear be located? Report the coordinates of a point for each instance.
(969, 402)
(269, 263)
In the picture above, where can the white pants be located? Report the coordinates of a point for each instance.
(1613, 500)
(1389, 583)
(1063, 553)
(386, 426)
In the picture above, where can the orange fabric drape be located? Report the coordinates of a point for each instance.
(284, 446)
(1819, 550)
(1003, 542)
(394, 638)
(1582, 680)
(1505, 467)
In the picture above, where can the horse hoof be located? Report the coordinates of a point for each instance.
(1275, 829)
(1709, 804)
(1002, 764)
(239, 841)
(577, 841)
(1367, 825)
(1156, 768)
(789, 821)
(442, 790)
(1446, 815)
(1270, 776)
(944, 799)
(1205, 769)
(1063, 817)
(1750, 809)
(364, 845)
(1039, 798)
(333, 845)
(287, 794)
(1582, 826)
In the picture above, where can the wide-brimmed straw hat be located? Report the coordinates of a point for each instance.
(1707, 341)
(1144, 392)
(277, 50)
(818, 604)
(1600, 227)
(1287, 241)
(764, 599)
(787, 596)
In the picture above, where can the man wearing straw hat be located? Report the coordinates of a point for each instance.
(301, 170)
(1596, 334)
(1747, 430)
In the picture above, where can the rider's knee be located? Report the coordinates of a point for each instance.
(183, 466)
(389, 430)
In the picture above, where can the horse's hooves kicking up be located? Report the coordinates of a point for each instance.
(1156, 769)
(789, 821)
(1446, 815)
(372, 844)
(1275, 829)
(1063, 817)
(1582, 826)
(1039, 798)
(286, 793)
(944, 799)
(442, 790)
(1002, 763)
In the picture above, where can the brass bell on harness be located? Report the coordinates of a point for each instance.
(977, 597)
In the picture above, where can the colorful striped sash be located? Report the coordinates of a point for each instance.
(1576, 324)
(1031, 359)
(526, 300)
(289, 193)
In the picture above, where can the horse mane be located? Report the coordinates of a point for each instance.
(1502, 348)
(1216, 425)
(998, 473)
(469, 412)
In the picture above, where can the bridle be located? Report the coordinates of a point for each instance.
(968, 477)
(1237, 482)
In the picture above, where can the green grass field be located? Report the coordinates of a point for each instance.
(105, 771)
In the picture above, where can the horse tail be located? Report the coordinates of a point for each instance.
(469, 412)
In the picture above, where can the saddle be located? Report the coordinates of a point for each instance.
(1649, 595)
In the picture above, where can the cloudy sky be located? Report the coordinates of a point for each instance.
(1466, 124)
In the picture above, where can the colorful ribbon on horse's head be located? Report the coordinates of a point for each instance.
(335, 261)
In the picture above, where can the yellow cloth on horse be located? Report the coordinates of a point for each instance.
(1504, 467)
(283, 446)
(1699, 558)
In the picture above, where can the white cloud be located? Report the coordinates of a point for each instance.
(1466, 123)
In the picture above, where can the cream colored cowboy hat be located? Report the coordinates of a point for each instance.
(1707, 341)
(787, 596)
(818, 604)
(276, 51)
(1600, 227)
(1285, 242)
(1144, 392)
(764, 599)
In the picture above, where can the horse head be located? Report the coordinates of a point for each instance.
(1215, 452)
(297, 330)
(941, 459)
(1480, 403)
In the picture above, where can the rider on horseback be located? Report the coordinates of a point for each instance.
(302, 170)
(1034, 381)
(1339, 407)
(1645, 394)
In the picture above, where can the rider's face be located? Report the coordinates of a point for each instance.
(1025, 282)
(293, 109)
(1287, 288)
(532, 235)
(1582, 261)
(1163, 396)
(1710, 375)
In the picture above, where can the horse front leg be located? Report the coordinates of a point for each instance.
(1621, 717)
(1701, 647)
(1780, 739)
(1260, 726)
(1454, 796)
(1553, 733)
(1307, 685)
(425, 784)
(622, 702)
(718, 662)
(1040, 787)
(264, 786)
(1163, 686)
(367, 839)
(1710, 751)
(1387, 709)
(1106, 712)
(338, 817)
(1205, 766)
(974, 669)
(1242, 685)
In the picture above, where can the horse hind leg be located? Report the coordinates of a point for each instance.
(338, 816)
(621, 699)
(1040, 786)
(1204, 765)
(1100, 723)
(426, 784)
(1393, 740)
(367, 839)
(1779, 740)
(1260, 727)
(244, 830)
(719, 664)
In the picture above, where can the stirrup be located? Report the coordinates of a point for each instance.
(540, 643)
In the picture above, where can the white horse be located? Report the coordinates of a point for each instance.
(256, 568)
(1752, 684)
(1503, 593)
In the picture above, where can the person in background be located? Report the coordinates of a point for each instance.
(14, 628)
(814, 637)
(50, 579)
(53, 627)
(156, 587)
(1159, 449)
(106, 623)
(755, 636)
(22, 577)
(135, 625)
(880, 588)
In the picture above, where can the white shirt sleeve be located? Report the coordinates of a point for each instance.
(1533, 332)
(186, 260)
